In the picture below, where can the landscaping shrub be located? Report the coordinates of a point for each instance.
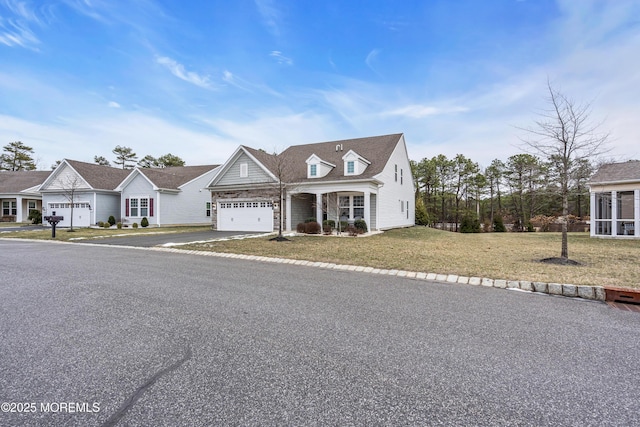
(144, 222)
(470, 224)
(300, 228)
(312, 227)
(119, 225)
(352, 230)
(135, 225)
(344, 225)
(360, 226)
(498, 224)
(106, 224)
(422, 216)
(35, 216)
(328, 223)
(112, 220)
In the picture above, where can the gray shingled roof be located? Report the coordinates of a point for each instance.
(15, 182)
(375, 149)
(99, 177)
(174, 177)
(617, 172)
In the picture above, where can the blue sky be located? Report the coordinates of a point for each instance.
(197, 78)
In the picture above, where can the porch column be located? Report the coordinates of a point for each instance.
(319, 209)
(592, 213)
(636, 212)
(19, 217)
(288, 212)
(367, 209)
(614, 213)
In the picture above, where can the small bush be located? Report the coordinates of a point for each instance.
(144, 222)
(498, 224)
(35, 216)
(530, 228)
(360, 226)
(300, 228)
(312, 227)
(344, 225)
(470, 224)
(135, 225)
(106, 224)
(311, 219)
(352, 230)
(119, 225)
(100, 224)
(112, 220)
(328, 223)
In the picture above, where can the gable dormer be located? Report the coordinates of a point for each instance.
(354, 164)
(318, 168)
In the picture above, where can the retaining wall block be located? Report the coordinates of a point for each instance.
(586, 292)
(569, 290)
(541, 287)
(601, 294)
(452, 278)
(499, 283)
(487, 282)
(526, 286)
(555, 289)
(513, 284)
(475, 281)
(463, 279)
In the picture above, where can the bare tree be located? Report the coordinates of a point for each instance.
(565, 135)
(69, 188)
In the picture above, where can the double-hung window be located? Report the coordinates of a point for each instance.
(133, 207)
(351, 168)
(9, 208)
(208, 209)
(358, 207)
(313, 170)
(144, 207)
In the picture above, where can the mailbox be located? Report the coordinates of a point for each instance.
(53, 220)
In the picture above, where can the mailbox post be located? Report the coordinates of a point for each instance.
(53, 220)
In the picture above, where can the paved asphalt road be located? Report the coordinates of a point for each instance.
(145, 338)
(153, 239)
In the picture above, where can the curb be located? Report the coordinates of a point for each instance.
(594, 293)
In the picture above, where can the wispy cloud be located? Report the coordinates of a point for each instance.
(281, 58)
(371, 57)
(179, 71)
(15, 27)
(113, 104)
(416, 111)
(270, 14)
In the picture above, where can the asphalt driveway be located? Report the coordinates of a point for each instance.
(152, 239)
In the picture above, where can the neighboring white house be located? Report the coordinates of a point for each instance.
(167, 196)
(89, 187)
(615, 200)
(19, 194)
(364, 178)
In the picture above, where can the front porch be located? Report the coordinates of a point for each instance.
(345, 206)
(18, 209)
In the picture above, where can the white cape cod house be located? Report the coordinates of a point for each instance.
(615, 200)
(364, 178)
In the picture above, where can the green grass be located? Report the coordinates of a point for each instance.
(510, 256)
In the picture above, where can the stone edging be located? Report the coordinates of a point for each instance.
(597, 293)
(576, 291)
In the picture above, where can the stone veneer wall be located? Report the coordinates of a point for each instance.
(246, 195)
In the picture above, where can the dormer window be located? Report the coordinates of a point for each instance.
(354, 164)
(318, 168)
(351, 167)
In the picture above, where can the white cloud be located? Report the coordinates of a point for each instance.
(179, 71)
(419, 111)
(281, 58)
(371, 57)
(270, 14)
(113, 104)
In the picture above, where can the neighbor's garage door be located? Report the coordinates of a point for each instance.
(81, 214)
(245, 216)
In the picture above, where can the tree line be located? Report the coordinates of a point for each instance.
(516, 190)
(18, 156)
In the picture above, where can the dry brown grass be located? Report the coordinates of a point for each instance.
(63, 234)
(511, 256)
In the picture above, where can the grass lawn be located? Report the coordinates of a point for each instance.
(64, 234)
(511, 256)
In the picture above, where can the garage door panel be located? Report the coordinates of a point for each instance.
(245, 216)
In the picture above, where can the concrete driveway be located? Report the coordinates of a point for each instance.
(152, 239)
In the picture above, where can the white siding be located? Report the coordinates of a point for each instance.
(188, 206)
(139, 187)
(390, 215)
(65, 178)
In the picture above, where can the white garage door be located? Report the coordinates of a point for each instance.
(245, 216)
(81, 214)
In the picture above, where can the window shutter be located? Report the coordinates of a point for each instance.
(126, 207)
(151, 207)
